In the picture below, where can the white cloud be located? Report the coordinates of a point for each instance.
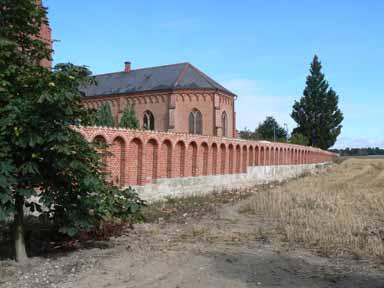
(254, 104)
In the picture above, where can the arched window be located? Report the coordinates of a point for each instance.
(224, 123)
(148, 120)
(195, 121)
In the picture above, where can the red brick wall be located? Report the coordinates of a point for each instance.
(171, 110)
(139, 157)
(45, 35)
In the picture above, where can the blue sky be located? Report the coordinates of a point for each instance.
(260, 50)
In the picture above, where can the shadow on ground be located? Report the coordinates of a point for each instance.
(256, 270)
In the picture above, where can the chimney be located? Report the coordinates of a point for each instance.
(127, 67)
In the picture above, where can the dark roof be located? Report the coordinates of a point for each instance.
(168, 77)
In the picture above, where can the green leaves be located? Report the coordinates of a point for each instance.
(129, 119)
(316, 113)
(41, 154)
(104, 116)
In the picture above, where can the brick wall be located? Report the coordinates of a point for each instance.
(171, 109)
(139, 157)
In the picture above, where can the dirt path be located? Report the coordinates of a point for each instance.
(222, 249)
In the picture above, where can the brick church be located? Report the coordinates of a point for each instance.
(176, 97)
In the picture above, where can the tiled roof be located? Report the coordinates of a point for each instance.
(168, 77)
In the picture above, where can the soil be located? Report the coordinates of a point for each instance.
(218, 248)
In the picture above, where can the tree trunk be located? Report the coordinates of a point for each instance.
(20, 251)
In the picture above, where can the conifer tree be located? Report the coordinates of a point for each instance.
(129, 119)
(316, 113)
(104, 116)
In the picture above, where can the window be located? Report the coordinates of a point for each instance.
(195, 121)
(224, 123)
(148, 121)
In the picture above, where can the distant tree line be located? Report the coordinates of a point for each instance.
(359, 151)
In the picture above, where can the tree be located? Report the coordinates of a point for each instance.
(104, 116)
(271, 130)
(41, 152)
(299, 139)
(317, 114)
(129, 119)
(248, 134)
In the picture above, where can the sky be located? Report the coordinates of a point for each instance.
(259, 49)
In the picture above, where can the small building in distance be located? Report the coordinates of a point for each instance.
(177, 97)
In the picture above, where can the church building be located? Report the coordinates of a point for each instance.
(177, 98)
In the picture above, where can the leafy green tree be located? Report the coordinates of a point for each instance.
(316, 113)
(104, 116)
(299, 139)
(270, 130)
(248, 134)
(41, 152)
(129, 119)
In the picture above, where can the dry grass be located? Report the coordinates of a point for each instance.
(338, 213)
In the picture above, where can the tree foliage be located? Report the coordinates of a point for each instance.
(104, 116)
(298, 139)
(129, 119)
(369, 151)
(268, 130)
(248, 134)
(41, 152)
(316, 113)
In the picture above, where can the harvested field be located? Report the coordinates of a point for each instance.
(340, 213)
(321, 230)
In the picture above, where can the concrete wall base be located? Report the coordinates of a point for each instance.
(179, 187)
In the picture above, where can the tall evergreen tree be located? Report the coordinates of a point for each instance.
(316, 113)
(129, 119)
(104, 116)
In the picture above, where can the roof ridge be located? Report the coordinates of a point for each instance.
(181, 75)
(145, 68)
(210, 80)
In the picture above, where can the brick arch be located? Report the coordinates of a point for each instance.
(267, 156)
(204, 151)
(165, 160)
(257, 156)
(223, 158)
(117, 161)
(135, 162)
(262, 155)
(192, 159)
(214, 158)
(251, 158)
(244, 160)
(281, 156)
(288, 156)
(180, 151)
(238, 158)
(230, 160)
(272, 155)
(151, 160)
